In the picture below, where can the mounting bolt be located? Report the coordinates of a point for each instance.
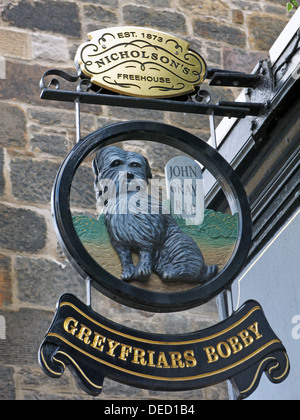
(268, 104)
(254, 125)
(248, 92)
(262, 71)
(296, 73)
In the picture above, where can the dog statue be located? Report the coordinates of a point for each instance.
(138, 224)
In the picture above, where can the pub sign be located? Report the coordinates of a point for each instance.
(151, 242)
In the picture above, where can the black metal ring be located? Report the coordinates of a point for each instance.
(106, 283)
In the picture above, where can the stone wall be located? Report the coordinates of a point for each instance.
(36, 135)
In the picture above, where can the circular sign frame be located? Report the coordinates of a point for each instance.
(102, 280)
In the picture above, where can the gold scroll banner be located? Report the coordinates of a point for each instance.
(140, 62)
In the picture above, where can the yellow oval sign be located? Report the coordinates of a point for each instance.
(140, 62)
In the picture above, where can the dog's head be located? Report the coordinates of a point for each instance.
(118, 171)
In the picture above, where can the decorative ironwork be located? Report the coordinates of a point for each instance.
(86, 92)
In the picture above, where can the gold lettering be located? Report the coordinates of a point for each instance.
(112, 347)
(227, 350)
(246, 338)
(190, 360)
(162, 361)
(98, 342)
(84, 334)
(176, 359)
(139, 356)
(254, 328)
(211, 354)
(235, 344)
(71, 329)
(125, 350)
(151, 358)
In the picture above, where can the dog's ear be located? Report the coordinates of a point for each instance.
(97, 163)
(148, 170)
(95, 167)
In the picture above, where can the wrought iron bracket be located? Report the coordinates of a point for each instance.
(233, 78)
(87, 93)
(263, 91)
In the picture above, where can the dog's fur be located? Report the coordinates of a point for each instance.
(162, 247)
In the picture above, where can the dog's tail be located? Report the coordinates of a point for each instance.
(209, 272)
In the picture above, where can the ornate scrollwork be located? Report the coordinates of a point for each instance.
(276, 366)
(55, 82)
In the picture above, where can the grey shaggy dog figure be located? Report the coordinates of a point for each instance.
(136, 223)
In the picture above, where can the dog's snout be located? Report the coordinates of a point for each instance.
(130, 175)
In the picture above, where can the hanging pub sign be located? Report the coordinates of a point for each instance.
(148, 240)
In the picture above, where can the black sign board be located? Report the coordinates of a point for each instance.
(240, 348)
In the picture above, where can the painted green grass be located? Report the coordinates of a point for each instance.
(217, 229)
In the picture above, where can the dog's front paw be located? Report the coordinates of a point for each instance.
(143, 271)
(169, 275)
(128, 273)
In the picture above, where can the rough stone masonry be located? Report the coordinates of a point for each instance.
(35, 36)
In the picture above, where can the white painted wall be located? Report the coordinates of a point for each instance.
(273, 279)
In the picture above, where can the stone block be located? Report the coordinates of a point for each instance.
(5, 281)
(278, 2)
(218, 31)
(49, 48)
(32, 180)
(52, 143)
(25, 330)
(217, 392)
(240, 60)
(237, 16)
(207, 8)
(83, 193)
(264, 30)
(2, 179)
(184, 396)
(51, 117)
(22, 82)
(14, 44)
(111, 3)
(132, 114)
(101, 14)
(247, 5)
(7, 385)
(2, 68)
(155, 3)
(13, 126)
(163, 20)
(34, 379)
(213, 55)
(22, 230)
(43, 281)
(54, 119)
(52, 16)
(276, 9)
